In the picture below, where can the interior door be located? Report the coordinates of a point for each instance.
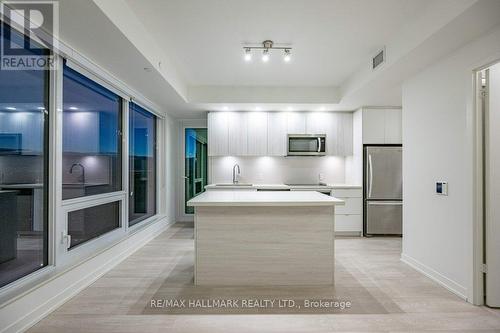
(492, 186)
(384, 173)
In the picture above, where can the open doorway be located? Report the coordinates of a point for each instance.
(488, 107)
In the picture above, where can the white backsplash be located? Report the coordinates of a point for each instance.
(277, 170)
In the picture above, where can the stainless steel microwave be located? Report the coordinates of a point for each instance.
(306, 144)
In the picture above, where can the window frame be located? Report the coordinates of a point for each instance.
(48, 190)
(59, 258)
(141, 220)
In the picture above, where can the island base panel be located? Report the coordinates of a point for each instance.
(259, 246)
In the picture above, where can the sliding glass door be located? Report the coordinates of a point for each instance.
(23, 168)
(195, 164)
(142, 165)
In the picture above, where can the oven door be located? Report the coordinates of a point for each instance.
(306, 144)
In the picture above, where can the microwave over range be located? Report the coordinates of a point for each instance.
(306, 144)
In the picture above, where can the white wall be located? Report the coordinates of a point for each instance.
(438, 131)
(274, 170)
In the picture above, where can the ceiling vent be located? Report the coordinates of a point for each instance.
(378, 59)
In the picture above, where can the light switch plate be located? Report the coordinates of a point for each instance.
(442, 188)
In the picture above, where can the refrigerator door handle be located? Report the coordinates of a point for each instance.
(370, 175)
(385, 203)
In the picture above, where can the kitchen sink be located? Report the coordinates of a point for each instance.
(231, 184)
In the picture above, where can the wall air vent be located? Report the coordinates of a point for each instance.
(378, 59)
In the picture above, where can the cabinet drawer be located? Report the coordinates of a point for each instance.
(352, 206)
(348, 193)
(348, 223)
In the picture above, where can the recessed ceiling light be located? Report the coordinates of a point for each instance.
(265, 55)
(322, 108)
(73, 108)
(289, 108)
(225, 108)
(11, 108)
(258, 108)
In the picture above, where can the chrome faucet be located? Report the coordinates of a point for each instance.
(235, 181)
(81, 179)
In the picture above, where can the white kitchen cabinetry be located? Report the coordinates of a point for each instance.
(237, 133)
(265, 133)
(276, 133)
(382, 126)
(337, 127)
(257, 133)
(349, 218)
(393, 126)
(217, 134)
(296, 122)
(344, 134)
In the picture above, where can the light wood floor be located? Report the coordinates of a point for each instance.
(387, 296)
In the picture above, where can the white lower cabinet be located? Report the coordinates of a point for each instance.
(349, 218)
(349, 224)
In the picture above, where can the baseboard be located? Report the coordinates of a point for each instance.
(26, 311)
(449, 284)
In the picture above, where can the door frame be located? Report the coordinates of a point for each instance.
(186, 123)
(479, 150)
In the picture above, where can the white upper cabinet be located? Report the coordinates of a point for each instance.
(344, 134)
(374, 126)
(265, 133)
(237, 133)
(217, 134)
(257, 133)
(296, 122)
(276, 133)
(338, 129)
(393, 126)
(382, 126)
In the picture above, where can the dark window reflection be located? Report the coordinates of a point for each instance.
(86, 224)
(142, 183)
(23, 169)
(91, 137)
(195, 164)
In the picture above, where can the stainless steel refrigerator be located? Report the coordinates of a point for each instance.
(383, 190)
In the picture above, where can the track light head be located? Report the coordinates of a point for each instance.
(248, 54)
(265, 55)
(288, 56)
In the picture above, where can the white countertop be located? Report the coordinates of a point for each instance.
(286, 187)
(254, 198)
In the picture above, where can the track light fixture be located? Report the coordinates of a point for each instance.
(248, 54)
(266, 47)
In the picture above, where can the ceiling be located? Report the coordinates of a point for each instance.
(192, 49)
(330, 38)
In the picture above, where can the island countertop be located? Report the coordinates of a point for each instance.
(247, 198)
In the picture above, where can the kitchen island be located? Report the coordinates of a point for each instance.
(264, 238)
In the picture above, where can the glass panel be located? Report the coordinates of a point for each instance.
(303, 145)
(23, 169)
(88, 223)
(195, 164)
(142, 173)
(92, 127)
